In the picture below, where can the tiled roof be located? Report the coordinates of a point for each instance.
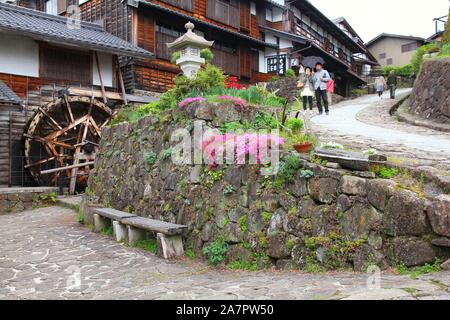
(7, 95)
(42, 26)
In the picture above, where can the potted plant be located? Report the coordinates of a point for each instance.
(303, 143)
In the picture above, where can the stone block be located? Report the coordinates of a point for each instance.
(119, 231)
(441, 242)
(411, 251)
(324, 190)
(100, 223)
(169, 246)
(439, 214)
(135, 234)
(446, 265)
(405, 215)
(379, 192)
(353, 186)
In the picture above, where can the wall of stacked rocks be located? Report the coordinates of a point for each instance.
(337, 219)
(430, 97)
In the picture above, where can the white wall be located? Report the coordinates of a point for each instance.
(106, 65)
(19, 56)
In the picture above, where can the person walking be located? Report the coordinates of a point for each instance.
(321, 78)
(330, 89)
(306, 84)
(381, 85)
(392, 83)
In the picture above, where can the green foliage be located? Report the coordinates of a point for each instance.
(165, 154)
(359, 92)
(417, 59)
(243, 265)
(254, 95)
(242, 222)
(209, 177)
(421, 270)
(306, 174)
(446, 35)
(406, 71)
(290, 73)
(385, 172)
(151, 157)
(289, 167)
(229, 190)
(294, 124)
(80, 217)
(175, 56)
(190, 253)
(216, 251)
(266, 216)
(108, 231)
(147, 245)
(207, 55)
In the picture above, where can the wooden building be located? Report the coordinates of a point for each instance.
(59, 84)
(254, 40)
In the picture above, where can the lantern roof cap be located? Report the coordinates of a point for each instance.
(190, 38)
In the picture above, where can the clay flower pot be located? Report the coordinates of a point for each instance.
(304, 147)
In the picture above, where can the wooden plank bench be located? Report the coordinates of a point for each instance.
(168, 235)
(104, 217)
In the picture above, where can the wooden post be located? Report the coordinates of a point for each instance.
(122, 86)
(100, 77)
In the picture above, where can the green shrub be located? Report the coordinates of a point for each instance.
(80, 217)
(207, 55)
(290, 73)
(165, 154)
(421, 270)
(216, 251)
(417, 59)
(295, 125)
(446, 35)
(107, 231)
(385, 172)
(289, 167)
(150, 157)
(175, 56)
(147, 245)
(406, 71)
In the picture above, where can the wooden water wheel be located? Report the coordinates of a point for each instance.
(65, 133)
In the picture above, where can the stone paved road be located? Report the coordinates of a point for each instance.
(43, 251)
(365, 122)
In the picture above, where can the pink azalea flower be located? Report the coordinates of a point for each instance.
(236, 101)
(188, 101)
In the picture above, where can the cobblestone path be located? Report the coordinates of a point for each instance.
(365, 123)
(45, 254)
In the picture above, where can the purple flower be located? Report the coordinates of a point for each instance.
(188, 101)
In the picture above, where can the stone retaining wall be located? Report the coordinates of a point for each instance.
(20, 199)
(336, 219)
(430, 97)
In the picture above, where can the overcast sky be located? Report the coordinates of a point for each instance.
(372, 17)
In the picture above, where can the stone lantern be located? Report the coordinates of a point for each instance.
(190, 45)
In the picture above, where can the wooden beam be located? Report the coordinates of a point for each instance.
(80, 165)
(74, 91)
(99, 70)
(122, 86)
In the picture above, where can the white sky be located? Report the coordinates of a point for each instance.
(369, 18)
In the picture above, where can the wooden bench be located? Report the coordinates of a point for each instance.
(133, 228)
(168, 235)
(104, 217)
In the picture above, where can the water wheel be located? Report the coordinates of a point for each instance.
(65, 133)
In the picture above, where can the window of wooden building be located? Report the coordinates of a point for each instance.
(164, 35)
(187, 5)
(65, 65)
(225, 11)
(226, 57)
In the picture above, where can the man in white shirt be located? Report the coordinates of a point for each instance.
(321, 79)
